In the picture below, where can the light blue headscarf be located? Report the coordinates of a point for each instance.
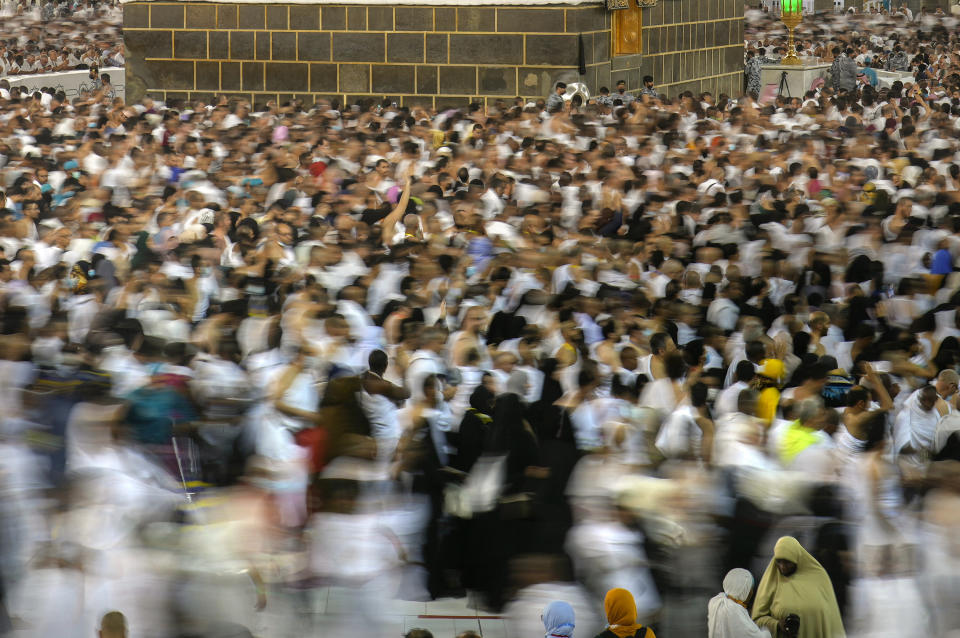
(558, 620)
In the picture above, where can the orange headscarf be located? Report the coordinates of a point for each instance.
(621, 613)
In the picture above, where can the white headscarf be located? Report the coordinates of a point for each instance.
(727, 615)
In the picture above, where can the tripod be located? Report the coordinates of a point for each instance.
(784, 88)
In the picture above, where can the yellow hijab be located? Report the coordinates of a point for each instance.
(807, 592)
(621, 613)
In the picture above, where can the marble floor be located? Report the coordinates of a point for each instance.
(444, 618)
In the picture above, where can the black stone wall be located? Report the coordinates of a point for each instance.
(431, 55)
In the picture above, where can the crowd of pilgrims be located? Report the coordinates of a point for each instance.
(59, 35)
(586, 366)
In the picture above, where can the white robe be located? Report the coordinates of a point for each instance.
(729, 619)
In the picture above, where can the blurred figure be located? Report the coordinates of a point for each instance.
(608, 553)
(622, 617)
(885, 595)
(795, 584)
(540, 580)
(727, 615)
(940, 577)
(354, 553)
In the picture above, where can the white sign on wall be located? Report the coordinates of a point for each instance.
(73, 83)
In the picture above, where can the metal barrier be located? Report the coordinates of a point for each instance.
(73, 83)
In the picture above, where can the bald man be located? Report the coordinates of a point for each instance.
(113, 625)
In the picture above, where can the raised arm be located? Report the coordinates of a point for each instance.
(390, 221)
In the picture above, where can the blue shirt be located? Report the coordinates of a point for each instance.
(942, 263)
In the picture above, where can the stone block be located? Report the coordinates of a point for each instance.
(733, 33)
(701, 37)
(604, 77)
(333, 18)
(425, 101)
(530, 20)
(445, 102)
(587, 19)
(405, 47)
(203, 96)
(305, 16)
(208, 76)
(241, 45)
(287, 76)
(393, 78)
(201, 16)
(653, 15)
(477, 19)
(485, 49)
(364, 99)
(553, 50)
(136, 16)
(601, 46)
(251, 16)
(166, 16)
(732, 58)
(426, 80)
(313, 45)
(540, 82)
(355, 78)
(497, 80)
(458, 80)
(323, 78)
(380, 18)
(252, 73)
(437, 47)
(358, 47)
(230, 76)
(263, 45)
(283, 46)
(624, 62)
(169, 75)
(445, 19)
(149, 44)
(190, 44)
(218, 45)
(663, 69)
(650, 41)
(278, 16)
(357, 18)
(227, 16)
(413, 19)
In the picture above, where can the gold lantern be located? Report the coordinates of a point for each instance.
(791, 13)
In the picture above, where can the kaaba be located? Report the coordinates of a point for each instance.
(440, 53)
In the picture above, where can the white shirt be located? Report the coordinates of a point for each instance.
(723, 313)
(728, 399)
(422, 364)
(82, 310)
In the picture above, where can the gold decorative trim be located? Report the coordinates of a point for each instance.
(615, 5)
(644, 4)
